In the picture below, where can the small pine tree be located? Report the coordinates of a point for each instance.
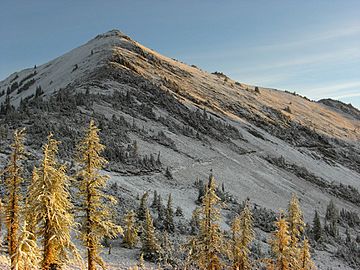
(280, 245)
(27, 255)
(305, 262)
(357, 239)
(169, 216)
(96, 205)
(150, 247)
(348, 236)
(179, 212)
(332, 213)
(317, 229)
(332, 217)
(209, 248)
(242, 235)
(13, 179)
(167, 249)
(168, 174)
(51, 207)
(131, 230)
(194, 222)
(154, 202)
(160, 209)
(141, 213)
(201, 191)
(134, 150)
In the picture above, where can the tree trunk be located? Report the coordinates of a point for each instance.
(91, 259)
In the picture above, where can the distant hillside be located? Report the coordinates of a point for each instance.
(341, 106)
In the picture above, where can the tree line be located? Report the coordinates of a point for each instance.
(40, 224)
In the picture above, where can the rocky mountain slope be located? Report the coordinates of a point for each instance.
(158, 114)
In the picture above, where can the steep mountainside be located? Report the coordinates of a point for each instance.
(157, 113)
(350, 110)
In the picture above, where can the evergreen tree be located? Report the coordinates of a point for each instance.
(150, 247)
(295, 221)
(168, 173)
(154, 202)
(332, 213)
(348, 236)
(201, 191)
(208, 244)
(131, 230)
(27, 255)
(317, 230)
(179, 212)
(167, 250)
(160, 209)
(332, 217)
(134, 150)
(280, 244)
(141, 213)
(51, 208)
(169, 216)
(305, 262)
(158, 161)
(194, 222)
(96, 205)
(13, 179)
(357, 238)
(242, 234)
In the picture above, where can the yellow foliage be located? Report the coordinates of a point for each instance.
(242, 235)
(13, 179)
(281, 246)
(208, 247)
(27, 255)
(49, 203)
(305, 262)
(295, 220)
(96, 205)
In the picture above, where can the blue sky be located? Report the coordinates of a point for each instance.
(311, 47)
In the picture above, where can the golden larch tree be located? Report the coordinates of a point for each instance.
(1, 219)
(208, 245)
(27, 255)
(95, 203)
(242, 234)
(29, 217)
(13, 179)
(296, 222)
(305, 262)
(280, 245)
(51, 209)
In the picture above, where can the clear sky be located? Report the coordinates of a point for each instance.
(311, 47)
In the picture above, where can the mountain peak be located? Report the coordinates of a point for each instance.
(113, 33)
(115, 52)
